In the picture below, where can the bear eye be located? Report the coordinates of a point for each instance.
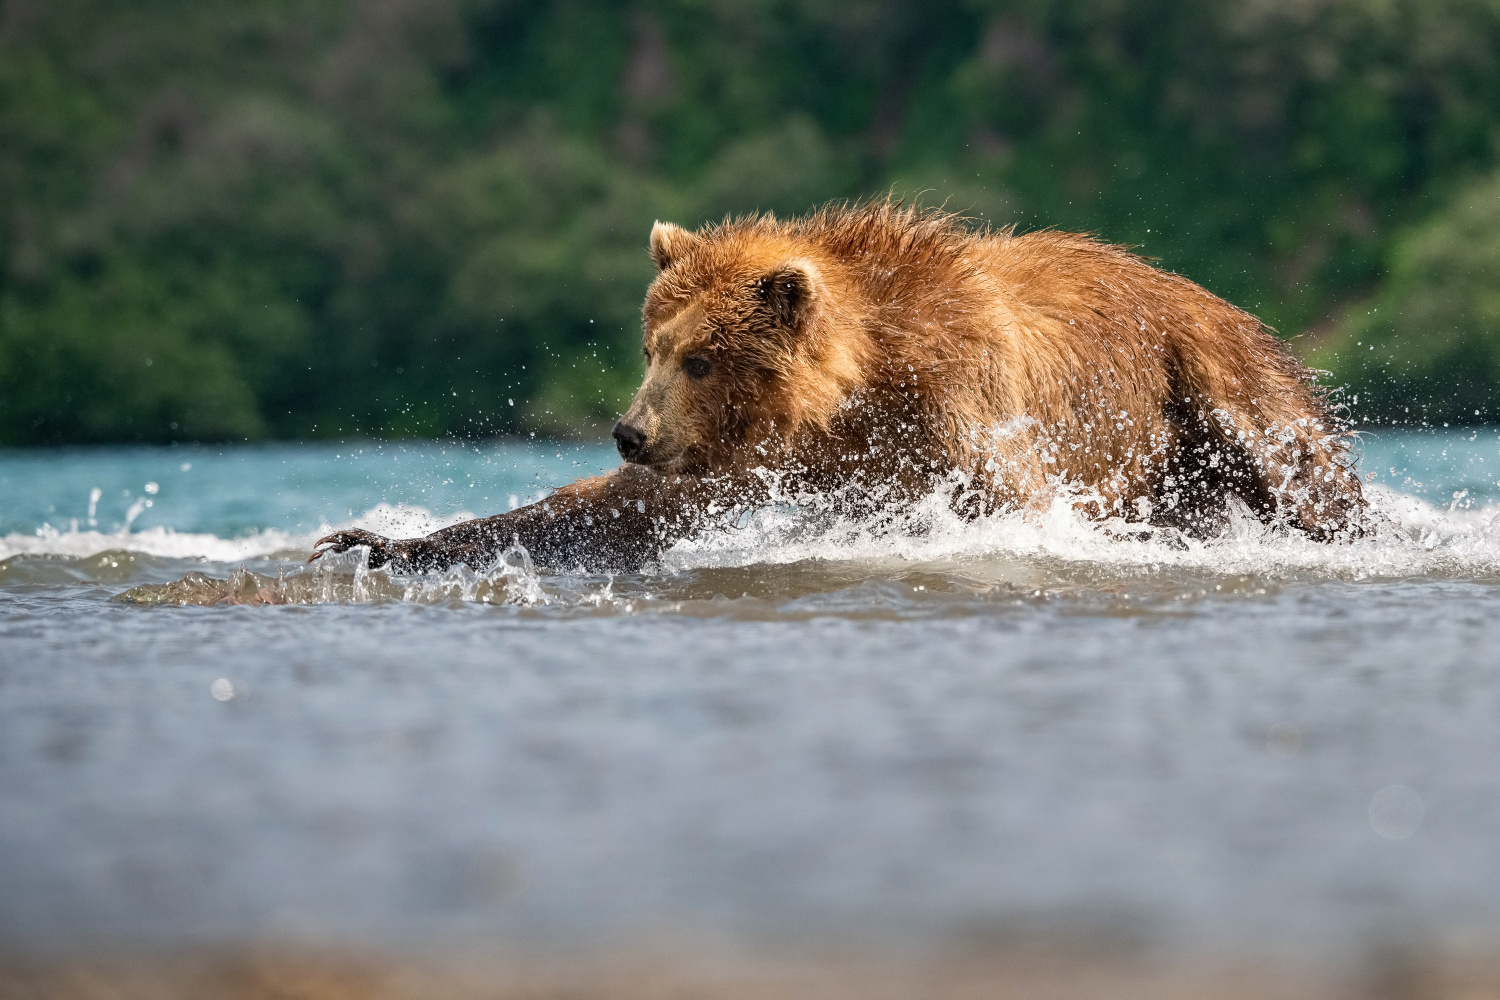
(696, 367)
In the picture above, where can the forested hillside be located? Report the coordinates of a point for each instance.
(248, 218)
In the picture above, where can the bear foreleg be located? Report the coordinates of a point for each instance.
(618, 521)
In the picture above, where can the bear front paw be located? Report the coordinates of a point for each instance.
(382, 549)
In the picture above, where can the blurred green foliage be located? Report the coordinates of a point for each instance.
(228, 220)
(1427, 347)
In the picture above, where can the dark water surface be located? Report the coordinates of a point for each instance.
(1029, 722)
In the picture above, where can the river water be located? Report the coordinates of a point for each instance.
(1027, 722)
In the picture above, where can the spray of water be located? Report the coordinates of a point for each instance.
(1407, 538)
(851, 535)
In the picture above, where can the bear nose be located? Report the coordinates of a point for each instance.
(630, 440)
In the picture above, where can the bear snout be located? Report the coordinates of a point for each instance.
(631, 441)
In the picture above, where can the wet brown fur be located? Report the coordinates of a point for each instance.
(1026, 363)
(891, 346)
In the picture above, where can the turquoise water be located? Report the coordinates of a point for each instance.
(302, 489)
(296, 489)
(1028, 721)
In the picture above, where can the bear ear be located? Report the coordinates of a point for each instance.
(790, 292)
(668, 243)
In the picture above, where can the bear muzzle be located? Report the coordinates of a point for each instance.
(630, 440)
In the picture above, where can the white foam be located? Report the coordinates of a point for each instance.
(396, 521)
(163, 542)
(1409, 538)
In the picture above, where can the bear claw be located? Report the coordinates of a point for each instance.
(343, 541)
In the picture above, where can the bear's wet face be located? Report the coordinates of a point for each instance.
(681, 419)
(721, 332)
(672, 412)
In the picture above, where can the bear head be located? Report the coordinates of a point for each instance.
(747, 344)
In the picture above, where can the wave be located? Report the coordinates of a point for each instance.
(1408, 537)
(395, 520)
(1052, 546)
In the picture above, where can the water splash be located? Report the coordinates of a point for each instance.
(1049, 546)
(395, 520)
(346, 578)
(1407, 537)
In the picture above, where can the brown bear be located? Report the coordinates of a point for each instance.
(876, 352)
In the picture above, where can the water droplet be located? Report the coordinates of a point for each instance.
(1396, 812)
